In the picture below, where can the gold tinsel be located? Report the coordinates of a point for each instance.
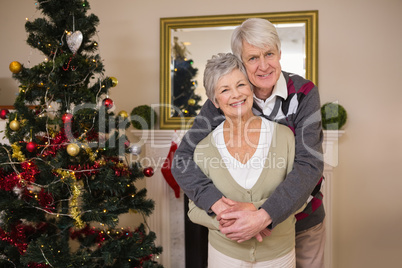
(74, 208)
(65, 174)
(90, 153)
(76, 192)
(102, 162)
(17, 152)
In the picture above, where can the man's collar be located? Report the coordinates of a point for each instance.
(280, 89)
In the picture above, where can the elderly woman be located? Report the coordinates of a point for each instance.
(246, 157)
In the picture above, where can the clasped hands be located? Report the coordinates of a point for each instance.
(241, 221)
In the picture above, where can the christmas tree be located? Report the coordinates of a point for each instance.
(184, 98)
(64, 178)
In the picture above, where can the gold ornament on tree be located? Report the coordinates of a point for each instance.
(15, 67)
(191, 102)
(73, 149)
(123, 114)
(14, 125)
(114, 81)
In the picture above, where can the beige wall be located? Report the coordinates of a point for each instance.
(360, 60)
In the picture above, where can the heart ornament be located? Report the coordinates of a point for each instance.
(74, 41)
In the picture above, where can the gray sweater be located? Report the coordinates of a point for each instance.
(302, 115)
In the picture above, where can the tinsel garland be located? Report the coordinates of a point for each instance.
(46, 201)
(74, 208)
(17, 154)
(19, 179)
(60, 141)
(19, 234)
(102, 236)
(86, 170)
(76, 192)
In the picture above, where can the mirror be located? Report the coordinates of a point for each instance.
(186, 43)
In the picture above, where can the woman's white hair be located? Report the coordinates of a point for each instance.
(218, 66)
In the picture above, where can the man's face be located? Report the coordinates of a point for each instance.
(262, 65)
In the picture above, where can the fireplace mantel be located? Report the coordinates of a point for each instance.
(167, 220)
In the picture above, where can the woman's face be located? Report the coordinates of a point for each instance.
(233, 94)
(262, 65)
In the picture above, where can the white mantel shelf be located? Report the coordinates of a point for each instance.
(167, 220)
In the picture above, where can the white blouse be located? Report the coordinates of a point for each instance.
(246, 175)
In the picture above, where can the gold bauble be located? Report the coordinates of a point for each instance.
(114, 81)
(14, 125)
(73, 149)
(123, 114)
(15, 67)
(191, 102)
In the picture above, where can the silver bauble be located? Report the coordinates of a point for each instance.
(135, 149)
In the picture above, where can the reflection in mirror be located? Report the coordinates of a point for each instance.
(188, 42)
(184, 81)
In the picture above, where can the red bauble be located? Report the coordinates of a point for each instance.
(148, 172)
(31, 146)
(108, 103)
(67, 118)
(4, 113)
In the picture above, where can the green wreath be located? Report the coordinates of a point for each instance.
(334, 116)
(143, 117)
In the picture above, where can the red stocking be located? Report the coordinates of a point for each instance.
(166, 170)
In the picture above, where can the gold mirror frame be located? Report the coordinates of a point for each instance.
(309, 18)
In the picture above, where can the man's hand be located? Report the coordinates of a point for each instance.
(233, 206)
(247, 224)
(219, 206)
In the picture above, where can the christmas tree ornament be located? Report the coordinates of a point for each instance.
(67, 118)
(123, 114)
(108, 103)
(148, 172)
(127, 143)
(191, 102)
(31, 146)
(114, 81)
(15, 67)
(4, 113)
(14, 125)
(74, 41)
(135, 149)
(73, 149)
